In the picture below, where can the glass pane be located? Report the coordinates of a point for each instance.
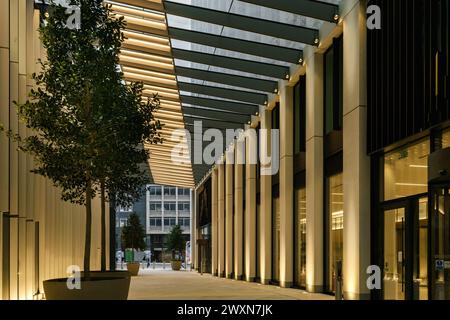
(441, 270)
(336, 226)
(276, 239)
(329, 84)
(300, 237)
(394, 254)
(405, 171)
(421, 260)
(446, 139)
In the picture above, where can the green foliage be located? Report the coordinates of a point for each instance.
(90, 127)
(175, 241)
(133, 233)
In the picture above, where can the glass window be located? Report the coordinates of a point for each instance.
(276, 239)
(406, 171)
(123, 222)
(335, 226)
(155, 206)
(155, 191)
(300, 237)
(169, 191)
(300, 116)
(155, 222)
(183, 206)
(169, 206)
(333, 87)
(446, 139)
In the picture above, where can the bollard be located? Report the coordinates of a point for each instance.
(338, 285)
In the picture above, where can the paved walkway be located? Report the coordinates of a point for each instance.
(186, 285)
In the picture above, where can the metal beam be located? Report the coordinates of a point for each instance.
(151, 5)
(218, 115)
(243, 46)
(223, 105)
(246, 23)
(265, 69)
(231, 80)
(213, 124)
(313, 9)
(244, 96)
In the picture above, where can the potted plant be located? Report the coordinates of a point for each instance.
(176, 243)
(133, 239)
(88, 129)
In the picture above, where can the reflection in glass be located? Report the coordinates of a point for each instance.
(300, 237)
(446, 139)
(276, 239)
(441, 276)
(421, 260)
(336, 226)
(394, 254)
(405, 171)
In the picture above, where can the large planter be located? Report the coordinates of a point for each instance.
(110, 285)
(176, 265)
(133, 268)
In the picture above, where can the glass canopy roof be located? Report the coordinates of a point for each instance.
(211, 59)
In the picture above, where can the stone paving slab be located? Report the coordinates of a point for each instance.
(190, 285)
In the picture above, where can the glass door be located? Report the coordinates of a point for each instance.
(405, 249)
(394, 254)
(440, 246)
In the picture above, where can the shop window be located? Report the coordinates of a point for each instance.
(300, 237)
(335, 219)
(333, 87)
(406, 171)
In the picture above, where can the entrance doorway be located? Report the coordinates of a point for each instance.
(440, 242)
(405, 249)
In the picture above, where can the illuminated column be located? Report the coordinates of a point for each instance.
(266, 201)
(286, 186)
(221, 219)
(229, 172)
(4, 119)
(314, 172)
(214, 218)
(356, 162)
(238, 207)
(250, 205)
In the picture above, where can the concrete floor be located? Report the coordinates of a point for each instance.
(187, 285)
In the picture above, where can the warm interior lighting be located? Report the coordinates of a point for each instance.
(411, 184)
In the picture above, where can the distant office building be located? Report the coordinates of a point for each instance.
(159, 210)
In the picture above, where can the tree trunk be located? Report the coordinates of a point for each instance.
(103, 227)
(87, 243)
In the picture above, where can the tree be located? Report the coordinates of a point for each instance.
(175, 242)
(90, 127)
(133, 233)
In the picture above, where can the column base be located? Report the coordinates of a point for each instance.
(250, 279)
(239, 277)
(265, 281)
(314, 288)
(230, 276)
(215, 274)
(286, 284)
(356, 296)
(221, 274)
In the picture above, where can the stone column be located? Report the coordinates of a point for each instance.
(4, 119)
(314, 172)
(356, 161)
(286, 186)
(229, 173)
(221, 219)
(250, 205)
(214, 218)
(238, 207)
(265, 201)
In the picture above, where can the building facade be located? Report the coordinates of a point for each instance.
(363, 182)
(159, 210)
